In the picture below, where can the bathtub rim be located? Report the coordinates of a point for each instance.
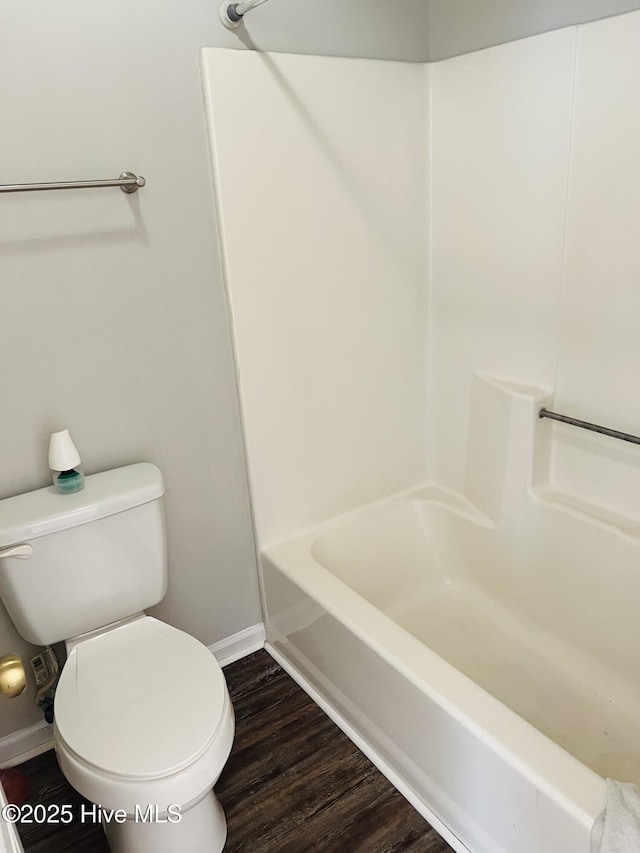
(561, 776)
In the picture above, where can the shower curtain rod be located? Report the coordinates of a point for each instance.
(231, 14)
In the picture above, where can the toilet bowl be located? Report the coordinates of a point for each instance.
(143, 721)
(144, 725)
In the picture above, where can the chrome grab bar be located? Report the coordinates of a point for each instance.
(612, 433)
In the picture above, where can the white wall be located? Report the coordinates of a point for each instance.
(461, 26)
(320, 176)
(113, 313)
(535, 261)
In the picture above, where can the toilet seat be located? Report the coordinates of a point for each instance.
(142, 711)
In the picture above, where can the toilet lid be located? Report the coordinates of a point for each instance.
(143, 700)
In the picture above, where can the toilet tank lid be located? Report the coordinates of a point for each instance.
(44, 511)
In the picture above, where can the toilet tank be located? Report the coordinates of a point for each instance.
(98, 555)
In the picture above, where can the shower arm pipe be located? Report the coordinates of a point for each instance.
(602, 430)
(231, 14)
(247, 6)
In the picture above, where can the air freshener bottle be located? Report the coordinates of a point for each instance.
(64, 461)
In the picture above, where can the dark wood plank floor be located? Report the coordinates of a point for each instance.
(293, 783)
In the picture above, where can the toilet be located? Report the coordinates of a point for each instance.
(143, 719)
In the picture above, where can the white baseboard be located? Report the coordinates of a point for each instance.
(25, 744)
(239, 645)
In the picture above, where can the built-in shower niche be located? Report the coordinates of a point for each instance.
(515, 459)
(594, 474)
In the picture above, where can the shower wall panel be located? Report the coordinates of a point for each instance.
(500, 155)
(535, 259)
(320, 177)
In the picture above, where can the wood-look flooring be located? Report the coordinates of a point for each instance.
(293, 783)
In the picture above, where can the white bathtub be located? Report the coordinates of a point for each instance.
(488, 681)
(9, 839)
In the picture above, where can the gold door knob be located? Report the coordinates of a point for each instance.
(12, 676)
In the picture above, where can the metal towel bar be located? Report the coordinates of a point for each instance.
(613, 433)
(128, 183)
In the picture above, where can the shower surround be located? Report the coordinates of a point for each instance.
(417, 258)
